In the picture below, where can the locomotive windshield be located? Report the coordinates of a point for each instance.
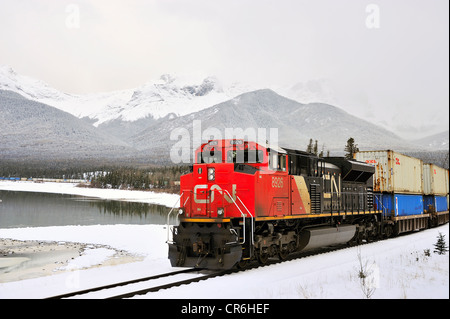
(245, 156)
(209, 157)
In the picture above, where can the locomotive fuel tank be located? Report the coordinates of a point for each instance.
(325, 236)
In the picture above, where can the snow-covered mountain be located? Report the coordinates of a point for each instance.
(296, 124)
(94, 106)
(30, 88)
(438, 141)
(312, 91)
(168, 96)
(137, 123)
(33, 131)
(155, 99)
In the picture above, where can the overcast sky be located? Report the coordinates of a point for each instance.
(388, 59)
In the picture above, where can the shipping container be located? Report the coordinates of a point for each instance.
(395, 205)
(435, 180)
(394, 172)
(432, 203)
(447, 185)
(441, 203)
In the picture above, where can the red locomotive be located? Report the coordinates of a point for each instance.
(244, 201)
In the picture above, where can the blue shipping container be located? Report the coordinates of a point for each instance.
(441, 203)
(399, 204)
(435, 203)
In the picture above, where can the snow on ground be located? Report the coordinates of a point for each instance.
(92, 256)
(396, 268)
(142, 240)
(400, 268)
(165, 199)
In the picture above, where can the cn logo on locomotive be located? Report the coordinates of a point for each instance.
(212, 191)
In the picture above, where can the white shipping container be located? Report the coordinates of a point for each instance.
(435, 180)
(394, 172)
(447, 183)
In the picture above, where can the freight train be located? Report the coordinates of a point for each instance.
(245, 202)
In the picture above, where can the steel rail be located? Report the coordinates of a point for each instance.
(171, 285)
(124, 283)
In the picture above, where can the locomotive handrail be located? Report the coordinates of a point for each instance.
(222, 191)
(253, 241)
(382, 206)
(168, 217)
(243, 216)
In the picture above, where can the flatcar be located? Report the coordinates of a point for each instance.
(244, 202)
(412, 195)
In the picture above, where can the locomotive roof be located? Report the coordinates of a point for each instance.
(291, 151)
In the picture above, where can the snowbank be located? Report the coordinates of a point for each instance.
(165, 199)
(399, 268)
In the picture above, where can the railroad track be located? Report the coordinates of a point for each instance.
(141, 286)
(130, 288)
(170, 284)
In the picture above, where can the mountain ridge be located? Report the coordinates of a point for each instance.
(35, 130)
(296, 123)
(138, 123)
(155, 98)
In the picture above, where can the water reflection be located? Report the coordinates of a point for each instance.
(122, 208)
(28, 209)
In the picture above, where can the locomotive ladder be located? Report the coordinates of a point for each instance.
(243, 218)
(168, 217)
(244, 225)
(370, 196)
(379, 201)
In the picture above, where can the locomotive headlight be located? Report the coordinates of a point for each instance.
(220, 212)
(181, 211)
(211, 174)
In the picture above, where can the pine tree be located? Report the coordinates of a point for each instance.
(309, 148)
(321, 154)
(440, 246)
(316, 148)
(351, 148)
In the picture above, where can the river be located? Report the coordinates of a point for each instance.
(31, 209)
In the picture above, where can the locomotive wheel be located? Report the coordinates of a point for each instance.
(242, 264)
(263, 258)
(367, 236)
(389, 231)
(283, 254)
(359, 238)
